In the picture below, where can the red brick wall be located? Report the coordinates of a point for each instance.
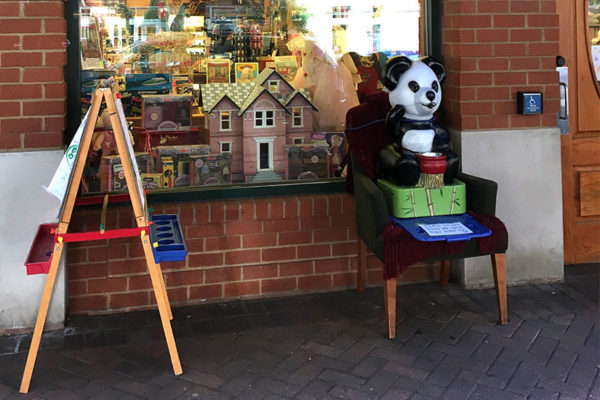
(32, 87)
(245, 248)
(492, 50)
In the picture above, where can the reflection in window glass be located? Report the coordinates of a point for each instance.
(594, 34)
(201, 81)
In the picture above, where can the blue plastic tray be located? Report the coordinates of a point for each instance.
(166, 232)
(411, 225)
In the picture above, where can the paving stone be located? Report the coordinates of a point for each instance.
(315, 390)
(276, 387)
(459, 389)
(482, 392)
(368, 366)
(442, 375)
(397, 394)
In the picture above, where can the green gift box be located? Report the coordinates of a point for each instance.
(411, 202)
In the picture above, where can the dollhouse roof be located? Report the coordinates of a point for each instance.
(255, 94)
(300, 92)
(213, 93)
(244, 94)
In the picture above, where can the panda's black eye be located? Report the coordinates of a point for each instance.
(414, 86)
(435, 86)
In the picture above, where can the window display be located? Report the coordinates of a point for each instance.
(249, 91)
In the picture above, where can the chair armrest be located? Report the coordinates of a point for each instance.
(481, 194)
(371, 207)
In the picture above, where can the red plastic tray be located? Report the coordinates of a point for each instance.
(40, 253)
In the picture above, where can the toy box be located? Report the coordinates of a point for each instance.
(167, 113)
(112, 176)
(146, 140)
(90, 78)
(181, 160)
(210, 169)
(168, 172)
(148, 83)
(307, 161)
(411, 202)
(151, 181)
(337, 149)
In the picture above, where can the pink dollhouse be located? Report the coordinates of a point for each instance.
(255, 121)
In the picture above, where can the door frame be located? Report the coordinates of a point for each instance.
(269, 141)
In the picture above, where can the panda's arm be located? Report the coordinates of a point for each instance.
(393, 121)
(441, 140)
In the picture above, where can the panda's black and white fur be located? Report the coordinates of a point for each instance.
(415, 94)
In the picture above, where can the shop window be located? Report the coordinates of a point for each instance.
(297, 120)
(225, 120)
(178, 63)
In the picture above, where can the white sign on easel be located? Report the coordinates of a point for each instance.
(60, 181)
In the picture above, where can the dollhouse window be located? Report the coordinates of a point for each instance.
(264, 119)
(274, 86)
(297, 117)
(299, 140)
(225, 147)
(225, 121)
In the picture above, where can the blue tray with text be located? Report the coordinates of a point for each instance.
(167, 238)
(451, 228)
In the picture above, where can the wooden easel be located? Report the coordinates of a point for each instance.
(138, 201)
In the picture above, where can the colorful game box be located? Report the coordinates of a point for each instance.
(246, 72)
(149, 83)
(218, 71)
(286, 66)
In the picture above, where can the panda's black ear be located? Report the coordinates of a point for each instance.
(436, 66)
(393, 69)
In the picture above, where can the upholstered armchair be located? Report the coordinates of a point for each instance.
(372, 218)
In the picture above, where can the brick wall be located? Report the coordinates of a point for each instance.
(32, 87)
(246, 248)
(492, 50)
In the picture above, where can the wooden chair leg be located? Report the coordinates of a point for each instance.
(389, 294)
(361, 278)
(499, 267)
(444, 272)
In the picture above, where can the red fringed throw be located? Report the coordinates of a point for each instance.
(402, 250)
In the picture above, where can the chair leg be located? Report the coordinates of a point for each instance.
(361, 278)
(444, 272)
(389, 294)
(499, 266)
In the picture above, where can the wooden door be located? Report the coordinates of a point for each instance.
(581, 147)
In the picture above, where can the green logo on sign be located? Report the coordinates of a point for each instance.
(71, 152)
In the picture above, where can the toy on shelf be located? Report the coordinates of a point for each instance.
(253, 122)
(330, 83)
(420, 143)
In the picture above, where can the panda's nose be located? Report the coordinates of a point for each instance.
(430, 95)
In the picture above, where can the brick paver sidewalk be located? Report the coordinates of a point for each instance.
(332, 346)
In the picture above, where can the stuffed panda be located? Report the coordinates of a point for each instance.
(415, 94)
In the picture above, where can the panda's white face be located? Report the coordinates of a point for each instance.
(419, 91)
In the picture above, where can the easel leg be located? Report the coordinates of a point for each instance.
(163, 309)
(164, 289)
(362, 266)
(41, 318)
(389, 294)
(499, 267)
